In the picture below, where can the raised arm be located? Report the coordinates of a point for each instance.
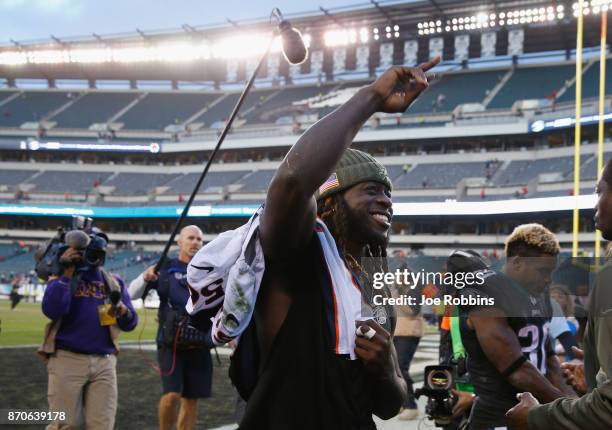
(290, 211)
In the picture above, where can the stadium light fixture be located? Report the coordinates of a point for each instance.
(364, 35)
(51, 56)
(133, 55)
(484, 20)
(182, 52)
(248, 45)
(13, 58)
(243, 46)
(103, 55)
(335, 38)
(236, 47)
(594, 7)
(341, 37)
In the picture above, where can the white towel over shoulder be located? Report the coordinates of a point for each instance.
(227, 273)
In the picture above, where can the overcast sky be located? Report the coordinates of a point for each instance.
(24, 20)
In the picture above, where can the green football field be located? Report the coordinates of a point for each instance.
(24, 381)
(24, 325)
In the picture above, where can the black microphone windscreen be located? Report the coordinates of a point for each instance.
(115, 296)
(294, 48)
(77, 239)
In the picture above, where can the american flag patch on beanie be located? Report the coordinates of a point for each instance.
(330, 184)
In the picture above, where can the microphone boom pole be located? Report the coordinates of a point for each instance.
(226, 129)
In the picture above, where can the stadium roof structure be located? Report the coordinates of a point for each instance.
(91, 58)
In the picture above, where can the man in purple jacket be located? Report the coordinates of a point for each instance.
(82, 370)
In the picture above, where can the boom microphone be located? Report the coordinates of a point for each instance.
(294, 49)
(295, 52)
(77, 239)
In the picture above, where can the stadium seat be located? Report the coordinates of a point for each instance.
(70, 182)
(6, 94)
(32, 106)
(158, 110)
(394, 171)
(213, 180)
(138, 183)
(14, 177)
(440, 175)
(256, 181)
(282, 103)
(522, 171)
(220, 111)
(93, 107)
(449, 91)
(532, 83)
(21, 262)
(589, 168)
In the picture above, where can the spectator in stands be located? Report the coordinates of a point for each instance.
(483, 193)
(81, 341)
(191, 377)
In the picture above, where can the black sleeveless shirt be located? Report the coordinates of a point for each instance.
(303, 384)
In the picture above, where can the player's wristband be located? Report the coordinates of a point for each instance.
(514, 366)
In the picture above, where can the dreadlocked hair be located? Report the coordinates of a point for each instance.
(332, 211)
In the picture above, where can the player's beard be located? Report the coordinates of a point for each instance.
(359, 228)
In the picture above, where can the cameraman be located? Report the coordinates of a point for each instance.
(81, 343)
(186, 373)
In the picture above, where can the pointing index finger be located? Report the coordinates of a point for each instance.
(430, 64)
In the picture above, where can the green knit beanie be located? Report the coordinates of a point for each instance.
(353, 168)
